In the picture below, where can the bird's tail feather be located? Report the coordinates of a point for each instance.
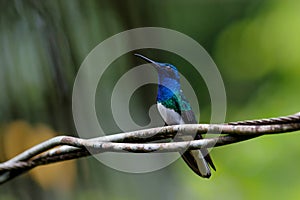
(199, 163)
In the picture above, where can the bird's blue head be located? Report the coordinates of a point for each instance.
(168, 78)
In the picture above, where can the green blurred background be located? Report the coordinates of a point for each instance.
(255, 44)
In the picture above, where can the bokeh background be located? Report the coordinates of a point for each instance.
(255, 45)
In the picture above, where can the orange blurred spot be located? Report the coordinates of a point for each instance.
(20, 136)
(14, 138)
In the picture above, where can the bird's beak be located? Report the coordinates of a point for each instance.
(147, 60)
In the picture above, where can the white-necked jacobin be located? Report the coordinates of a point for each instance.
(174, 108)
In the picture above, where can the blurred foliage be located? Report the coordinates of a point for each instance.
(254, 43)
(263, 50)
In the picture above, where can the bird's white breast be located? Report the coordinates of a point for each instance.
(170, 116)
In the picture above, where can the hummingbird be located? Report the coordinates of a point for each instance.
(175, 109)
